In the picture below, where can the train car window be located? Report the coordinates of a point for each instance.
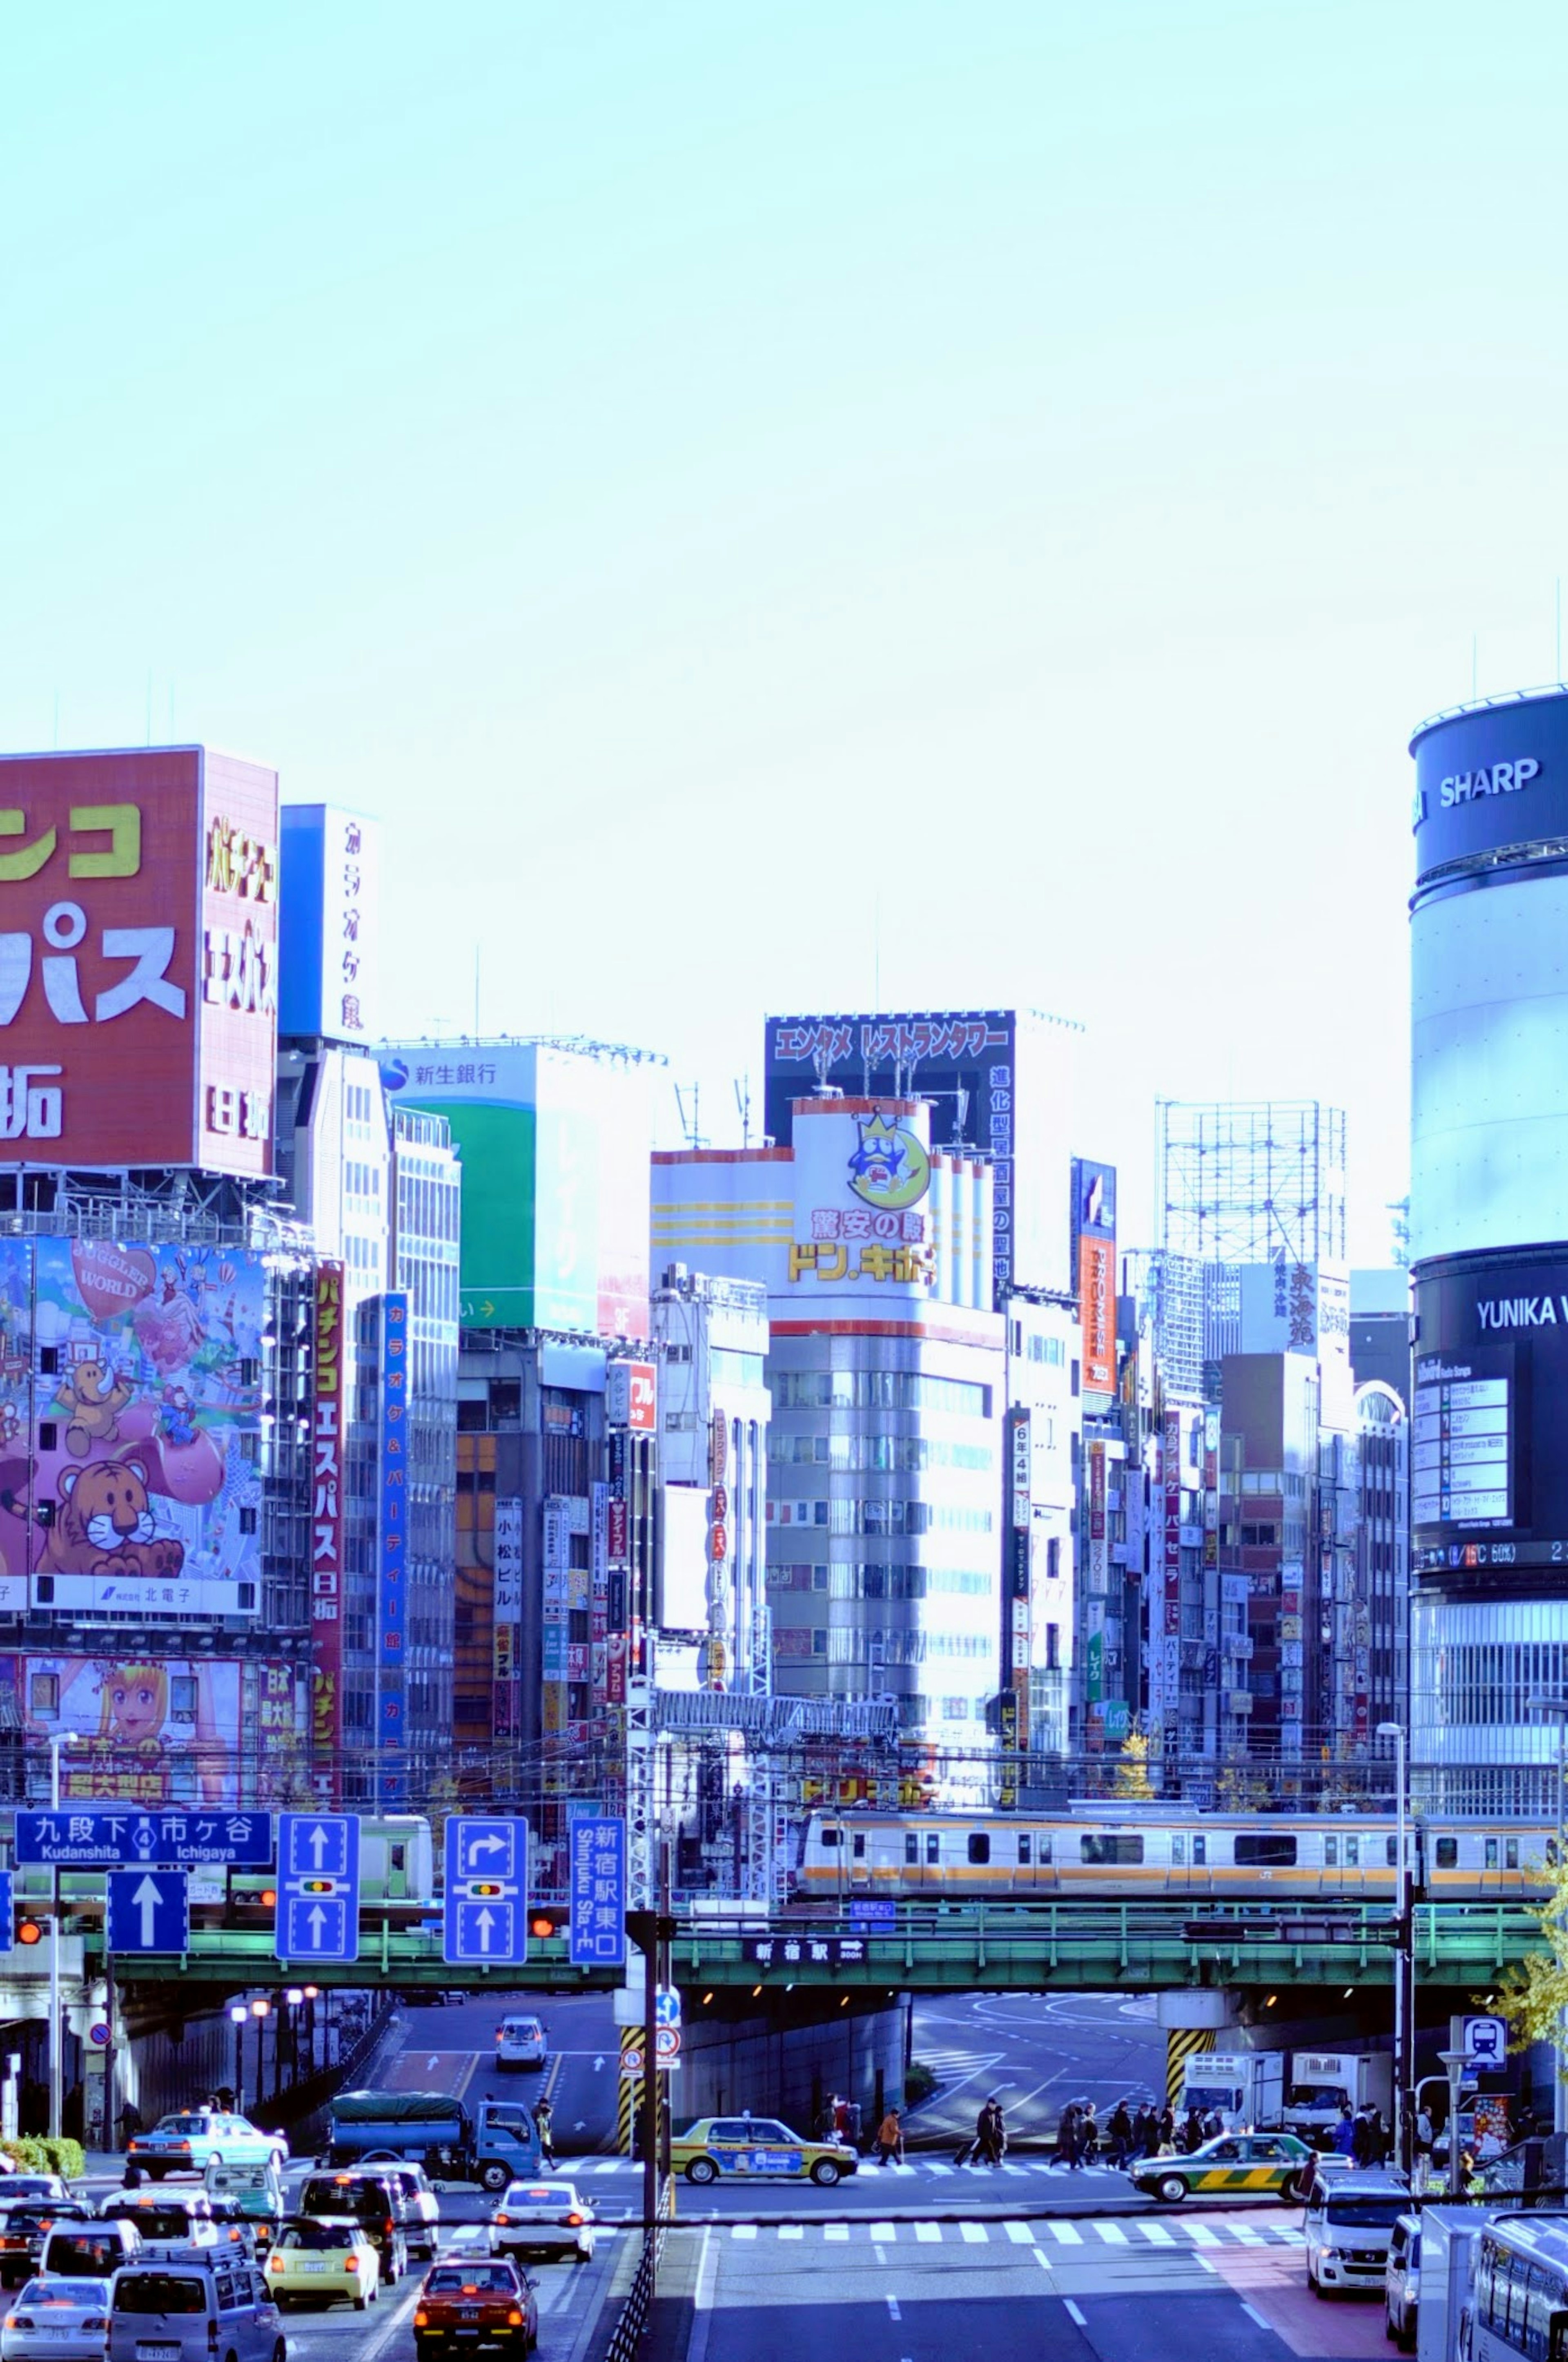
(1270, 1850)
(911, 1849)
(1491, 1853)
(933, 1849)
(1178, 1852)
(1043, 1850)
(829, 1835)
(1025, 1849)
(980, 1846)
(1353, 1853)
(1448, 1853)
(1331, 1853)
(1393, 1851)
(1511, 1853)
(1107, 1848)
(1199, 1851)
(860, 1845)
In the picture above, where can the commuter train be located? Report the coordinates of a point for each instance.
(1345, 1856)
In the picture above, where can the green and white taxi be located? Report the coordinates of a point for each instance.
(1236, 2164)
(198, 2137)
(757, 2148)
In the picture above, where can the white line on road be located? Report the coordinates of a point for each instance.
(927, 2234)
(743, 2230)
(1212, 2271)
(1202, 2237)
(1113, 2234)
(893, 2312)
(1156, 2234)
(792, 2230)
(835, 2231)
(975, 2235)
(702, 2302)
(1021, 2233)
(1067, 2233)
(1073, 2314)
(1253, 2314)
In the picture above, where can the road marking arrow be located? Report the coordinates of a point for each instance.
(484, 1920)
(147, 1899)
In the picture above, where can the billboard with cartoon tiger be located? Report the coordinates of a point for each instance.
(130, 1400)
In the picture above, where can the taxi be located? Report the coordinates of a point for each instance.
(757, 2148)
(196, 2138)
(1236, 2165)
(324, 2263)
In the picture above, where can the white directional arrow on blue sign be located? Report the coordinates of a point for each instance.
(485, 1907)
(148, 1911)
(318, 1887)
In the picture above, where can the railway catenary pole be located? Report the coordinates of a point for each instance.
(1403, 1952)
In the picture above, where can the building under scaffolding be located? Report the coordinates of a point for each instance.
(1243, 1182)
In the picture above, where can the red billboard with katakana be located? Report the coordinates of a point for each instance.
(138, 948)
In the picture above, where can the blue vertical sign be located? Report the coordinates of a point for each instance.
(392, 1542)
(599, 1894)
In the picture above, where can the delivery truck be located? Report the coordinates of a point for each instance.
(492, 2144)
(1322, 2083)
(1243, 2088)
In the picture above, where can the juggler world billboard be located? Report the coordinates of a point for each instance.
(138, 946)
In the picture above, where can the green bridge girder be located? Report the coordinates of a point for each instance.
(1063, 1947)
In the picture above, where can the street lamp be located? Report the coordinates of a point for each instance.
(1556, 1709)
(57, 1739)
(260, 2010)
(237, 2016)
(1404, 1957)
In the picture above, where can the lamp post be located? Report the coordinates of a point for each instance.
(1404, 1956)
(237, 2016)
(1556, 1709)
(295, 1998)
(57, 1739)
(260, 2010)
(313, 1994)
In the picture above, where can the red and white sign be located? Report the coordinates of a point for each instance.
(139, 952)
(631, 1396)
(327, 1497)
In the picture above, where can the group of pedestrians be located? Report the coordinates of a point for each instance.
(1362, 2135)
(989, 2144)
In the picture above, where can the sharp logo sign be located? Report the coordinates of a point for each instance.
(1500, 779)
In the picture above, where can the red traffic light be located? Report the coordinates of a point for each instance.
(29, 1930)
(541, 1924)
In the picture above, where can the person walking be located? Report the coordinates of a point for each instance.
(1192, 2131)
(1118, 2136)
(130, 2123)
(543, 2117)
(1067, 2136)
(996, 2132)
(890, 2139)
(1089, 2134)
(1167, 2127)
(1344, 2133)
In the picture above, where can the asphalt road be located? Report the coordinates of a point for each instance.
(452, 2047)
(1037, 2053)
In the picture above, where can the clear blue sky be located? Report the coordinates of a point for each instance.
(746, 493)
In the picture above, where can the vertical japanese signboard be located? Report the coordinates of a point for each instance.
(328, 965)
(1094, 1240)
(138, 933)
(326, 1535)
(392, 1550)
(599, 1893)
(506, 1612)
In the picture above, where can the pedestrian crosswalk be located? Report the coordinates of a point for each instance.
(1050, 2232)
(923, 2168)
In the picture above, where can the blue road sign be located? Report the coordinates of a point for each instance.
(149, 1911)
(7, 1904)
(597, 1892)
(485, 1907)
(318, 1887)
(112, 1837)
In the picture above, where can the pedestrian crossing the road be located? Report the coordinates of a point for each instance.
(1051, 2232)
(925, 2169)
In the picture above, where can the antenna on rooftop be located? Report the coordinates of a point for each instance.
(743, 1102)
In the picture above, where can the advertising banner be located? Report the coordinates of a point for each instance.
(327, 1534)
(130, 1393)
(1094, 1236)
(508, 1561)
(631, 1396)
(328, 963)
(138, 918)
(169, 1730)
(391, 1625)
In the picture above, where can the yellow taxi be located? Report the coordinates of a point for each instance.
(323, 2263)
(757, 2148)
(1236, 2165)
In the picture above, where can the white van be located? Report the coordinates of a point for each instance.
(187, 2311)
(521, 2042)
(1349, 2225)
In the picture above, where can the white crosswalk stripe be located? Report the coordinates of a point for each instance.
(792, 2230)
(1156, 2234)
(1021, 2233)
(1113, 2234)
(927, 2234)
(975, 2235)
(1067, 2233)
(836, 2229)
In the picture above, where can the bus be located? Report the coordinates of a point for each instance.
(1519, 2301)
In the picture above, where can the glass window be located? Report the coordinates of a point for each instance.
(1270, 1849)
(911, 1848)
(860, 1845)
(932, 1848)
(979, 1846)
(1353, 1853)
(1511, 1853)
(1025, 1849)
(1106, 1846)
(1179, 1852)
(1200, 1850)
(159, 2292)
(1448, 1853)
(1491, 1853)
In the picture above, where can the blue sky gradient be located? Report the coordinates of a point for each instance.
(761, 500)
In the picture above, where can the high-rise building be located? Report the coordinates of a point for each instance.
(711, 1336)
(1489, 1254)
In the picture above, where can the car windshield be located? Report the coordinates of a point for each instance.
(318, 2235)
(1364, 2213)
(93, 2294)
(156, 2222)
(1315, 2096)
(24, 2185)
(495, 2279)
(27, 2219)
(159, 2292)
(93, 2251)
(184, 2125)
(343, 2198)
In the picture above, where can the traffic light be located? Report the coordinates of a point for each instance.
(483, 1889)
(542, 1922)
(28, 1929)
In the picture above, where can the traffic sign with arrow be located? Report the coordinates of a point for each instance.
(318, 1887)
(148, 1911)
(485, 1904)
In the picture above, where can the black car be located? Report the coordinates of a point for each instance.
(24, 2229)
(374, 2201)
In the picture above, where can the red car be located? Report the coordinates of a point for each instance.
(474, 2308)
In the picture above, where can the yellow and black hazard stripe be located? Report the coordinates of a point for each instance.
(629, 2095)
(1181, 2043)
(1239, 2177)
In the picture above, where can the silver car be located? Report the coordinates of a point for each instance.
(66, 2319)
(187, 2311)
(542, 2218)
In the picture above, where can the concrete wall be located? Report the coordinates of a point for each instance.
(785, 2064)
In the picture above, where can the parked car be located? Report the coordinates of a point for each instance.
(474, 2308)
(66, 2319)
(1401, 2284)
(521, 2042)
(329, 2263)
(189, 2311)
(542, 2218)
(203, 2136)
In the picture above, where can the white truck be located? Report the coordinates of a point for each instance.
(1243, 2088)
(1324, 2083)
